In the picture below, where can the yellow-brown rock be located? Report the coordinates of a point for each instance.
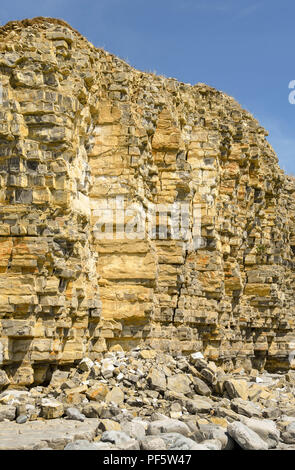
(79, 128)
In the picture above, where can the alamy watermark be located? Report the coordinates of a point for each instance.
(292, 93)
(114, 219)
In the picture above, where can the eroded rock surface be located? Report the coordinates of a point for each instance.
(79, 128)
(64, 415)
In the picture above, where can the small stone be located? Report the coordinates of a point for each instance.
(58, 378)
(197, 355)
(116, 348)
(74, 414)
(51, 408)
(147, 354)
(157, 380)
(21, 419)
(245, 437)
(213, 432)
(118, 438)
(115, 395)
(7, 412)
(107, 368)
(288, 436)
(212, 444)
(4, 380)
(271, 413)
(199, 363)
(86, 364)
(209, 375)
(201, 388)
(97, 392)
(92, 410)
(168, 425)
(246, 408)
(134, 429)
(179, 383)
(266, 429)
(152, 443)
(109, 425)
(83, 444)
(133, 444)
(175, 441)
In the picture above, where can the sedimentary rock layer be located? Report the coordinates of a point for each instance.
(79, 128)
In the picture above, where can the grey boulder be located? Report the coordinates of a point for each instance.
(245, 437)
(168, 425)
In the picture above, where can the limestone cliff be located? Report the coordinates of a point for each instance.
(80, 127)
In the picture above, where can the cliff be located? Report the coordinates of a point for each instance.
(82, 131)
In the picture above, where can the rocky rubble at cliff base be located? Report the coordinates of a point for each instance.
(80, 129)
(145, 399)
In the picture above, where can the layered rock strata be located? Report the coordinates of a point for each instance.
(81, 130)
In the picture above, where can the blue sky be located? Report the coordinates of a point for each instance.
(244, 48)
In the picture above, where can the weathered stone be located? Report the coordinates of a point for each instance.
(152, 443)
(21, 419)
(212, 444)
(97, 392)
(246, 408)
(211, 431)
(266, 429)
(199, 405)
(54, 433)
(115, 395)
(134, 429)
(7, 412)
(288, 436)
(86, 364)
(133, 444)
(22, 376)
(92, 410)
(4, 380)
(245, 437)
(51, 408)
(147, 354)
(157, 380)
(58, 378)
(209, 375)
(68, 289)
(179, 383)
(107, 368)
(175, 441)
(83, 444)
(271, 413)
(201, 388)
(109, 425)
(168, 426)
(119, 438)
(74, 414)
(236, 388)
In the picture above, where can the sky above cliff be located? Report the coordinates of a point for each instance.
(245, 49)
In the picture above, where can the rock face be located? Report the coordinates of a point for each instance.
(66, 415)
(80, 131)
